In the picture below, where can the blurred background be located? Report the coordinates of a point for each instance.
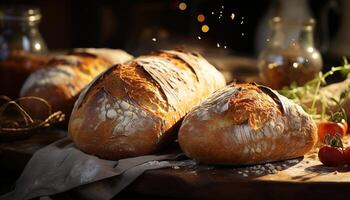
(132, 25)
(219, 29)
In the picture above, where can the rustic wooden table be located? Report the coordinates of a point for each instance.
(300, 178)
(14, 155)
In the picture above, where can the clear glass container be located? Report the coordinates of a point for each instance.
(22, 49)
(290, 55)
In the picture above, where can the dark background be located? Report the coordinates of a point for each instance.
(131, 24)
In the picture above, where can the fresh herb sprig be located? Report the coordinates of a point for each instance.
(311, 91)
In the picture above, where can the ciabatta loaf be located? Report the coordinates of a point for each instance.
(133, 108)
(246, 124)
(61, 82)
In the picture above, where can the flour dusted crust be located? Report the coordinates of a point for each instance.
(246, 124)
(133, 108)
(65, 76)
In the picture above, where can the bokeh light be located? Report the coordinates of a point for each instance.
(182, 6)
(205, 28)
(201, 18)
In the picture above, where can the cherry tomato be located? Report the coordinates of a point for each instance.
(331, 156)
(331, 128)
(347, 155)
(345, 125)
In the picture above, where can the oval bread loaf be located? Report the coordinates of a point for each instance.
(133, 108)
(246, 124)
(66, 75)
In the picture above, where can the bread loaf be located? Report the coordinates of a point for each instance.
(133, 108)
(65, 76)
(246, 124)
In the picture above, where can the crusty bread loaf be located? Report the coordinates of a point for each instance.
(133, 108)
(246, 124)
(65, 76)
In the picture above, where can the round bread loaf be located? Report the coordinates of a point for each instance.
(61, 82)
(133, 108)
(246, 124)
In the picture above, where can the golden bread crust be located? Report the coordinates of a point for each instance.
(221, 129)
(62, 81)
(133, 108)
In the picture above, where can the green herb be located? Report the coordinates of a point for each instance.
(311, 91)
(334, 141)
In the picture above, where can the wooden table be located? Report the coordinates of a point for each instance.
(14, 155)
(301, 178)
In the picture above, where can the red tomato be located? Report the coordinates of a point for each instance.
(345, 125)
(331, 156)
(331, 128)
(347, 155)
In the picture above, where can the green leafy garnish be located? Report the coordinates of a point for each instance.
(310, 92)
(334, 141)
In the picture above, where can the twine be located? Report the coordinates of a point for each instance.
(24, 123)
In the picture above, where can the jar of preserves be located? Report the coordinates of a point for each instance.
(22, 49)
(290, 55)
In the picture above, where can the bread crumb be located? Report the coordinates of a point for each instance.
(176, 167)
(293, 161)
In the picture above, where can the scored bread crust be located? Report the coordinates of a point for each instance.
(133, 108)
(246, 124)
(65, 76)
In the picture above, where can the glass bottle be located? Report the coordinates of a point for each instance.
(22, 49)
(298, 10)
(290, 55)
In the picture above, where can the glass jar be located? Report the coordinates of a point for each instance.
(22, 49)
(290, 55)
